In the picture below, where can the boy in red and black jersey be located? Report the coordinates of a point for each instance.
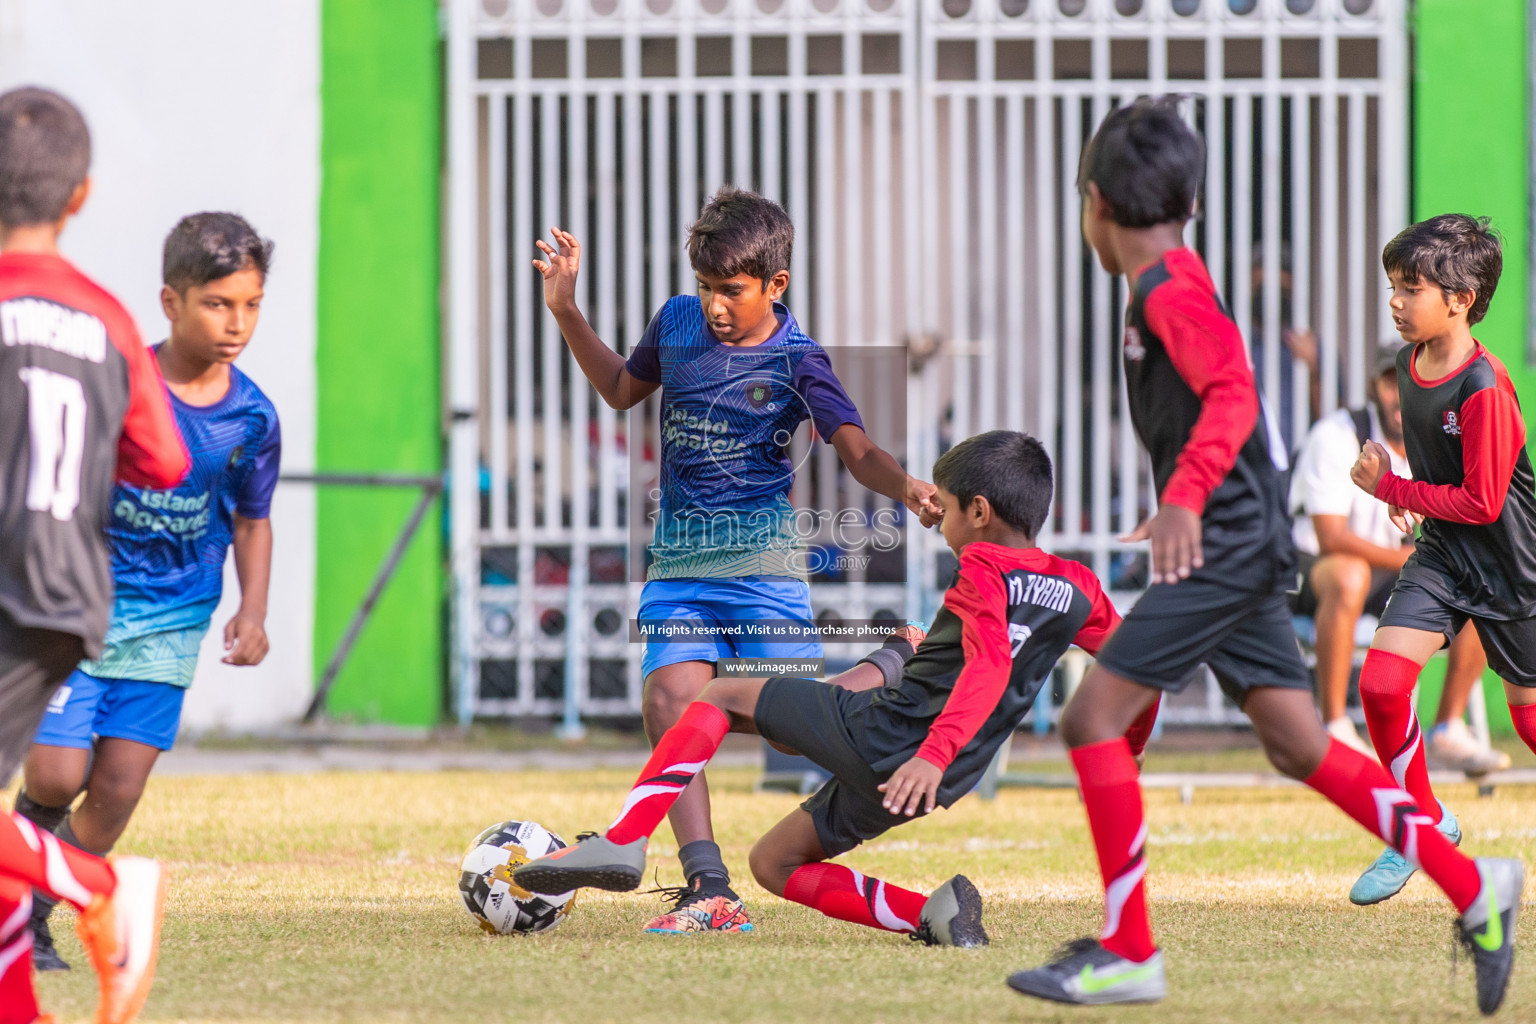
(1474, 491)
(81, 401)
(1221, 565)
(899, 739)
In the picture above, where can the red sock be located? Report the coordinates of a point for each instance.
(1524, 716)
(845, 894)
(1106, 771)
(1141, 729)
(680, 754)
(1363, 790)
(1386, 693)
(39, 859)
(18, 1003)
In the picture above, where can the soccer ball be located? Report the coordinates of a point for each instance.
(485, 879)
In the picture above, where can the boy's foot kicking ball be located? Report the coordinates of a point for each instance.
(1086, 973)
(1487, 927)
(1386, 877)
(708, 905)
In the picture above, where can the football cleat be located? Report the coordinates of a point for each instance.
(594, 862)
(44, 956)
(121, 933)
(1086, 973)
(1487, 928)
(1386, 877)
(913, 633)
(951, 916)
(710, 905)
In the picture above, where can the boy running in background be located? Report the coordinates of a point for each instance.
(1221, 565)
(80, 397)
(738, 377)
(897, 741)
(117, 712)
(1473, 488)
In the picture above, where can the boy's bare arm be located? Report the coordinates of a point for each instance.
(877, 469)
(602, 365)
(245, 635)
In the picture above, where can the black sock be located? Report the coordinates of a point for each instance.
(891, 658)
(44, 817)
(702, 857)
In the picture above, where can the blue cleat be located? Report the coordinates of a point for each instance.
(1391, 871)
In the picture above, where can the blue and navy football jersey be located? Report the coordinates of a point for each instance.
(728, 414)
(168, 547)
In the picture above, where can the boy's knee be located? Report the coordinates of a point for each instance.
(1080, 725)
(769, 869)
(52, 786)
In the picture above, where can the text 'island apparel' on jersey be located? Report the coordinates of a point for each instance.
(1197, 411)
(728, 414)
(168, 545)
(1005, 622)
(1472, 479)
(81, 401)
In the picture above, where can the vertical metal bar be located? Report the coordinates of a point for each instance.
(1242, 213)
(828, 328)
(963, 365)
(984, 231)
(1070, 464)
(1101, 346)
(553, 346)
(912, 95)
(1215, 158)
(1269, 223)
(496, 273)
(1328, 325)
(523, 226)
(1013, 335)
(462, 343)
(1301, 256)
(741, 112)
(714, 142)
(578, 622)
(606, 267)
(770, 177)
(1355, 253)
(1045, 260)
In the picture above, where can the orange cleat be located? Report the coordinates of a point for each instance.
(121, 933)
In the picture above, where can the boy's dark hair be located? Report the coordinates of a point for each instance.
(204, 247)
(1011, 470)
(741, 232)
(45, 153)
(1456, 252)
(1147, 163)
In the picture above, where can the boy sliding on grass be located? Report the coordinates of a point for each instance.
(1472, 486)
(1221, 565)
(117, 712)
(898, 740)
(80, 402)
(738, 376)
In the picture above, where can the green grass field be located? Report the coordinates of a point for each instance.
(331, 897)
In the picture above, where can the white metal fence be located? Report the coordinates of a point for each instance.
(926, 150)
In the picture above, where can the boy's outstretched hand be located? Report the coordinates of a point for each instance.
(913, 785)
(1175, 536)
(922, 498)
(1370, 467)
(559, 268)
(245, 638)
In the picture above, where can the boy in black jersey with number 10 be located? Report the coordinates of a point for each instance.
(1473, 488)
(1221, 565)
(898, 739)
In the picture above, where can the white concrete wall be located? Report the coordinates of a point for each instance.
(197, 105)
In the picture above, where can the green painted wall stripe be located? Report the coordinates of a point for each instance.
(1471, 154)
(378, 350)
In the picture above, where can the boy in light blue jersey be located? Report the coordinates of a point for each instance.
(112, 718)
(738, 377)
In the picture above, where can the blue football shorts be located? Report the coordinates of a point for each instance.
(717, 616)
(86, 707)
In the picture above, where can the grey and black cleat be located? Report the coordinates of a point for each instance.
(951, 916)
(44, 956)
(594, 862)
(1086, 973)
(1487, 929)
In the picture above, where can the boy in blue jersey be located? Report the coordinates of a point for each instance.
(738, 376)
(112, 717)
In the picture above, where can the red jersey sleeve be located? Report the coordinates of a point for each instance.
(150, 452)
(1102, 617)
(980, 599)
(1492, 434)
(1207, 351)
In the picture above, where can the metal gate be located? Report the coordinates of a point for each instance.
(926, 150)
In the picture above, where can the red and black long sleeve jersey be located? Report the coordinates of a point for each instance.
(1473, 481)
(1197, 411)
(1006, 620)
(81, 403)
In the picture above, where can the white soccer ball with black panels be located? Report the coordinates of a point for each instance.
(485, 879)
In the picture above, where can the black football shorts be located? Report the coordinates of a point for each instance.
(807, 715)
(33, 662)
(1509, 643)
(1245, 636)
